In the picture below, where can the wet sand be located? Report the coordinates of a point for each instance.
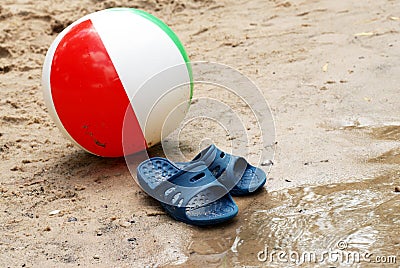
(329, 71)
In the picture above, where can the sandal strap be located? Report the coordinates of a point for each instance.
(233, 172)
(191, 180)
(227, 168)
(215, 159)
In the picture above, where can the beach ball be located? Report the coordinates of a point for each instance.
(113, 77)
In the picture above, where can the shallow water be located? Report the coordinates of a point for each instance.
(353, 224)
(337, 225)
(390, 132)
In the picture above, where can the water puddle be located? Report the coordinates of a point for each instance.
(391, 132)
(353, 224)
(323, 226)
(385, 132)
(390, 157)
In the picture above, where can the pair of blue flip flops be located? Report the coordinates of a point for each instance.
(199, 192)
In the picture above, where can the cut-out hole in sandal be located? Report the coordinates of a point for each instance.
(197, 157)
(222, 155)
(197, 177)
(175, 198)
(168, 191)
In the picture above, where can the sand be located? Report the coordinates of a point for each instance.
(328, 69)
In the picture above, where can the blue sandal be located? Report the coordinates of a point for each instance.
(234, 172)
(190, 194)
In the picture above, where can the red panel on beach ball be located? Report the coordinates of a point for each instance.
(88, 95)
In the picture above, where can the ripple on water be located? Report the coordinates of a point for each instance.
(364, 215)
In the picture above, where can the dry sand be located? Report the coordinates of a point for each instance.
(329, 69)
